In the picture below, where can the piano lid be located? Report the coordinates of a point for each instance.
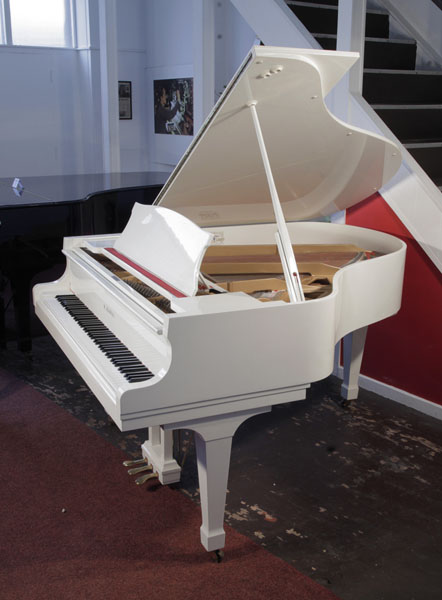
(320, 164)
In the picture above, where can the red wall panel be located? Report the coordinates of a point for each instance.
(405, 351)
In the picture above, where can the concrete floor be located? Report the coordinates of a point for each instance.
(352, 497)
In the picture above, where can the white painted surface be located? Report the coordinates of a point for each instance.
(422, 20)
(134, 154)
(363, 293)
(213, 442)
(233, 40)
(109, 85)
(44, 113)
(351, 38)
(397, 395)
(166, 244)
(410, 193)
(169, 55)
(212, 389)
(158, 450)
(203, 59)
(320, 165)
(275, 24)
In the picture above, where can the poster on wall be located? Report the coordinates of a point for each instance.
(125, 99)
(173, 106)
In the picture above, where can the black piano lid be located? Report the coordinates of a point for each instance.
(320, 164)
(46, 190)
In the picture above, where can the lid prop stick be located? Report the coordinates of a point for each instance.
(283, 242)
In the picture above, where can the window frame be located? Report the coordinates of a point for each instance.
(70, 29)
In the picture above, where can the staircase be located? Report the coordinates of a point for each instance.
(409, 101)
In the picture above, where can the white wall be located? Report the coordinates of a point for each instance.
(43, 129)
(132, 39)
(50, 108)
(233, 40)
(169, 54)
(174, 40)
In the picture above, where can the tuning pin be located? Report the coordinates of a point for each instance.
(131, 463)
(140, 469)
(144, 478)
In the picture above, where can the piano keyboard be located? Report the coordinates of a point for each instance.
(121, 357)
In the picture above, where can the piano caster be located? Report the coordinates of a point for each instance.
(218, 556)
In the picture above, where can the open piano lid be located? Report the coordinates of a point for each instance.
(320, 164)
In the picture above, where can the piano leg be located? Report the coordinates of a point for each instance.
(158, 450)
(353, 351)
(213, 441)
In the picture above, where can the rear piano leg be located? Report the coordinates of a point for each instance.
(353, 352)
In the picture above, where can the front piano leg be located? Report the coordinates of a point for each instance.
(158, 451)
(353, 351)
(213, 441)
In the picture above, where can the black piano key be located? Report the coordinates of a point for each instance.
(123, 359)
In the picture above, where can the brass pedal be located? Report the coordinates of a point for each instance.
(132, 463)
(144, 478)
(140, 469)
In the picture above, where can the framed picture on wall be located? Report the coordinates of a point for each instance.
(173, 106)
(125, 99)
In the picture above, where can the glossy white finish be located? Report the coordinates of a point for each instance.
(351, 37)
(158, 451)
(259, 337)
(166, 244)
(200, 305)
(284, 245)
(221, 359)
(411, 194)
(354, 343)
(320, 165)
(213, 442)
(258, 355)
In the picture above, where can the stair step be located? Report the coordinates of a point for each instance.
(379, 52)
(331, 2)
(410, 123)
(323, 18)
(429, 156)
(390, 86)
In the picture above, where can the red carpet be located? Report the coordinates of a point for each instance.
(73, 525)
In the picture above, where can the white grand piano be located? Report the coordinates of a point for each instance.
(222, 299)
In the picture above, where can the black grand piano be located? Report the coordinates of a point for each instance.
(36, 215)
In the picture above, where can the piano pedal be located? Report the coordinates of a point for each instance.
(144, 478)
(132, 463)
(146, 467)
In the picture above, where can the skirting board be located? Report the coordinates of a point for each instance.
(392, 393)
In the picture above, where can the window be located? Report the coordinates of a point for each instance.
(37, 23)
